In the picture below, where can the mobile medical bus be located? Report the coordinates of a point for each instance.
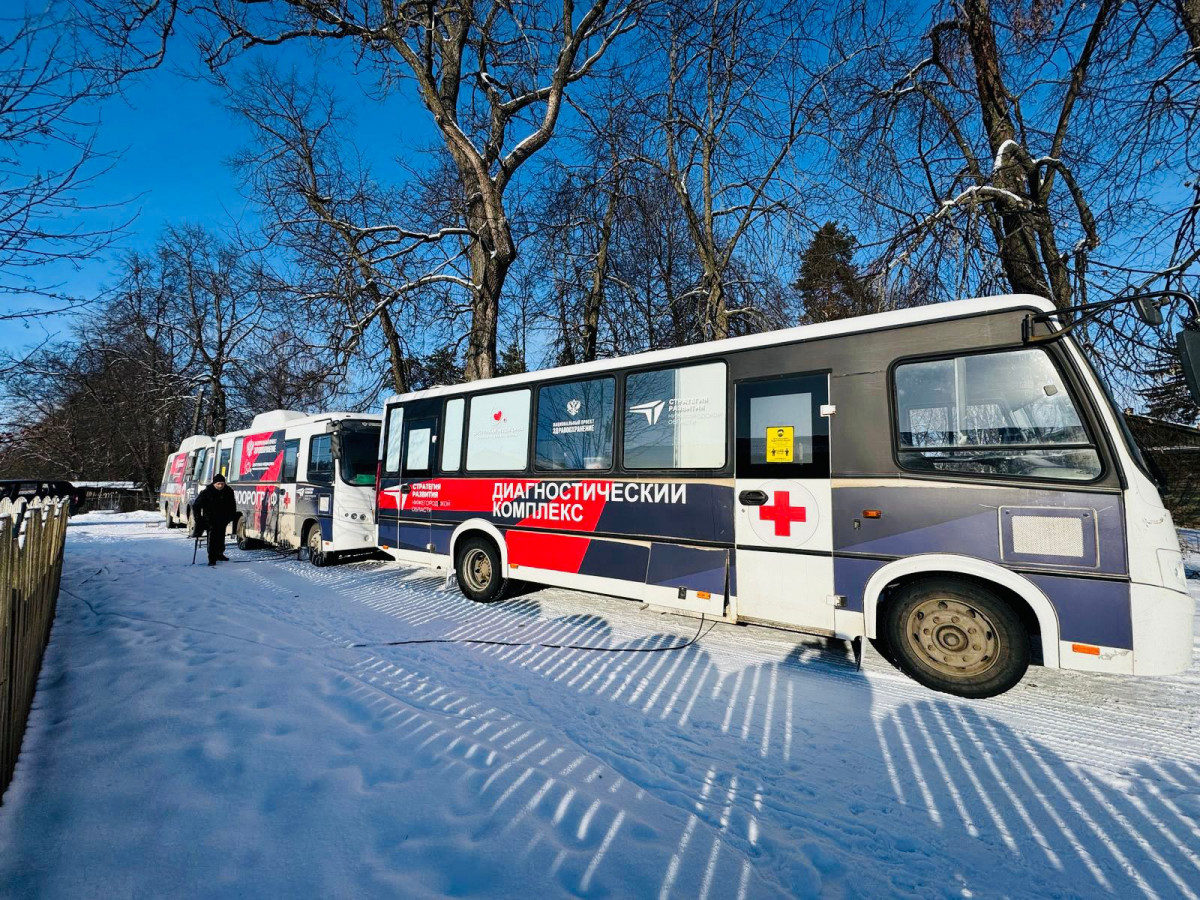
(303, 481)
(952, 482)
(183, 478)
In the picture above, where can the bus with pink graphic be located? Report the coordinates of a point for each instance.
(183, 478)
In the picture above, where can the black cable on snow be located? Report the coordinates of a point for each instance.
(497, 643)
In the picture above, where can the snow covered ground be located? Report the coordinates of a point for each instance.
(204, 733)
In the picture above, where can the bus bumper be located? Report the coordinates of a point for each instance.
(1162, 629)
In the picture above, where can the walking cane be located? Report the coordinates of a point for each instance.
(196, 548)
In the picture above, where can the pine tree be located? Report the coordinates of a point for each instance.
(439, 367)
(829, 285)
(1167, 396)
(512, 360)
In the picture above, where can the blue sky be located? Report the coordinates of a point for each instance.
(169, 138)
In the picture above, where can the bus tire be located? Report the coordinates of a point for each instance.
(477, 569)
(167, 513)
(955, 636)
(244, 541)
(316, 549)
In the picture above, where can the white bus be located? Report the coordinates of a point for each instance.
(303, 481)
(952, 482)
(183, 478)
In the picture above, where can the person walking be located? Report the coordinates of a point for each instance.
(213, 510)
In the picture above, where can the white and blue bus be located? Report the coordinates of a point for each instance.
(952, 482)
(303, 481)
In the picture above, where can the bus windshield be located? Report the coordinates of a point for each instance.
(1139, 459)
(359, 449)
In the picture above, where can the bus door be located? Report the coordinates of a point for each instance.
(783, 522)
(419, 445)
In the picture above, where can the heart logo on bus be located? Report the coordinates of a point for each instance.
(497, 414)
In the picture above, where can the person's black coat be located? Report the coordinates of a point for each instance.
(214, 509)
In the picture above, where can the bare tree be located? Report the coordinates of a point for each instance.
(492, 76)
(743, 87)
(48, 159)
(994, 145)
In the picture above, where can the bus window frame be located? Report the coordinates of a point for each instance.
(295, 479)
(337, 460)
(308, 474)
(465, 470)
(385, 430)
(1080, 397)
(726, 468)
(443, 419)
(235, 460)
(618, 423)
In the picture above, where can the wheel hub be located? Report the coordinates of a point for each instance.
(478, 570)
(953, 637)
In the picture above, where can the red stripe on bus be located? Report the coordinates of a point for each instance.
(558, 552)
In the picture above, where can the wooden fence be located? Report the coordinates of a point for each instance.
(31, 553)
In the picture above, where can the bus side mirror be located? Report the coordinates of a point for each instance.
(1148, 311)
(335, 444)
(1189, 358)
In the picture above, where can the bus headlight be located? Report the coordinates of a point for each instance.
(1170, 564)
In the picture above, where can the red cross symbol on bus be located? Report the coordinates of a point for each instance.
(783, 514)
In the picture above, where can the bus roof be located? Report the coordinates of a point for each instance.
(314, 419)
(194, 442)
(930, 313)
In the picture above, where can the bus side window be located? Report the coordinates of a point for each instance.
(416, 454)
(235, 466)
(224, 464)
(395, 437)
(675, 418)
(575, 425)
(291, 453)
(1004, 413)
(320, 459)
(498, 433)
(452, 435)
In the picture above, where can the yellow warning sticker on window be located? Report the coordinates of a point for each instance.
(779, 443)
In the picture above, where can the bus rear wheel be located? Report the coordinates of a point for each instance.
(956, 637)
(477, 570)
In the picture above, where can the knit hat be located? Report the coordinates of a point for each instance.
(218, 477)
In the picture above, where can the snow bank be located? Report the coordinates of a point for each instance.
(218, 733)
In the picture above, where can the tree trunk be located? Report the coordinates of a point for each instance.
(716, 314)
(595, 296)
(395, 351)
(218, 412)
(491, 254)
(1189, 15)
(1018, 249)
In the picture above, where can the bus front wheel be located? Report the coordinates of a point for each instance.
(957, 637)
(316, 549)
(244, 541)
(477, 569)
